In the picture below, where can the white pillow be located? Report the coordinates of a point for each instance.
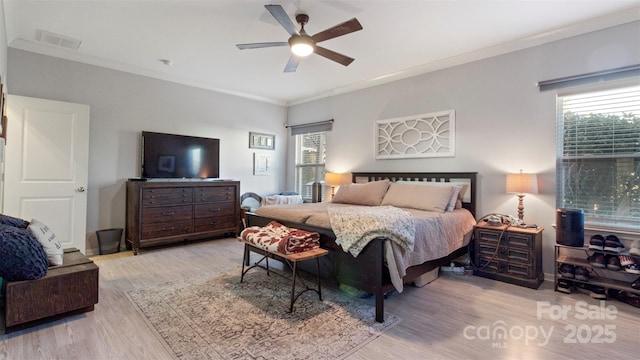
(418, 196)
(459, 190)
(47, 238)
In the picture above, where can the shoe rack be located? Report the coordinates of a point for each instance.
(603, 277)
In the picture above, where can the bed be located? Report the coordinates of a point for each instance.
(375, 265)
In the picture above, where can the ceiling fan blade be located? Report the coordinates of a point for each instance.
(332, 55)
(261, 45)
(338, 30)
(278, 12)
(292, 64)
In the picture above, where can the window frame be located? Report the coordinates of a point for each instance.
(586, 160)
(299, 165)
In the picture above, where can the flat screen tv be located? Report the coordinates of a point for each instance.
(168, 156)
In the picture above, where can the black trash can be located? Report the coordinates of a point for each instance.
(109, 240)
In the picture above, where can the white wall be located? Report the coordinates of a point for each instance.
(503, 123)
(124, 104)
(3, 46)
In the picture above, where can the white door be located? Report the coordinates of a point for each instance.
(46, 165)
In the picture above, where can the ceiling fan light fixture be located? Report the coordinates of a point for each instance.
(301, 45)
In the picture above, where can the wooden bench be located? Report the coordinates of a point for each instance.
(67, 289)
(291, 260)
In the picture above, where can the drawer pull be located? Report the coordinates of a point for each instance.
(168, 229)
(216, 209)
(169, 213)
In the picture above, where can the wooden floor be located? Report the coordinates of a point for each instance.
(454, 317)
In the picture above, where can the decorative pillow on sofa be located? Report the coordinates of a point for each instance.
(12, 221)
(48, 240)
(21, 256)
(418, 196)
(369, 194)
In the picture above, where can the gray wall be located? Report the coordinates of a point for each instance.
(3, 46)
(503, 123)
(124, 104)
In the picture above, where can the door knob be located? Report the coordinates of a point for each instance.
(80, 189)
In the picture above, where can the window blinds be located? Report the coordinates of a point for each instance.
(315, 127)
(598, 166)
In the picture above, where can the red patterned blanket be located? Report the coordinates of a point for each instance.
(277, 238)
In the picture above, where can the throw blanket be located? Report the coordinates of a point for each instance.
(278, 238)
(281, 199)
(356, 227)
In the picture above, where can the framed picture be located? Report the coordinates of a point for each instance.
(418, 136)
(167, 163)
(261, 164)
(262, 141)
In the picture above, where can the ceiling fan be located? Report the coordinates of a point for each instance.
(301, 43)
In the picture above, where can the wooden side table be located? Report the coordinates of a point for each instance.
(510, 254)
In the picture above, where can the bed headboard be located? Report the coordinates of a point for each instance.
(469, 202)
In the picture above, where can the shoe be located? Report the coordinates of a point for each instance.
(613, 263)
(567, 271)
(636, 284)
(633, 268)
(613, 244)
(625, 297)
(564, 286)
(596, 242)
(635, 248)
(626, 260)
(598, 260)
(581, 273)
(597, 292)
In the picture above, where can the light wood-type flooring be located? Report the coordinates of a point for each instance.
(454, 317)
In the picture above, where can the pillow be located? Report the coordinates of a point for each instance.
(21, 256)
(48, 240)
(370, 193)
(459, 190)
(11, 221)
(418, 196)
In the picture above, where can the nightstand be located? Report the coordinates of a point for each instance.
(510, 254)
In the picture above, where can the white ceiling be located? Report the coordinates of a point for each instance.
(399, 39)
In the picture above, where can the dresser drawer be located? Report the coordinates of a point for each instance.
(487, 264)
(219, 209)
(518, 256)
(214, 223)
(161, 197)
(215, 194)
(518, 240)
(167, 213)
(172, 228)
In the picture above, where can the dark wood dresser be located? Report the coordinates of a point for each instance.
(162, 212)
(509, 254)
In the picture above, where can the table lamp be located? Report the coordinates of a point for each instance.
(521, 183)
(336, 179)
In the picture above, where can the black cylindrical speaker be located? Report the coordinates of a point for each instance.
(570, 227)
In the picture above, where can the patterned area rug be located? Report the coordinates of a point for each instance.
(220, 318)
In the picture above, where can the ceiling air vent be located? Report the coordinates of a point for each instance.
(54, 39)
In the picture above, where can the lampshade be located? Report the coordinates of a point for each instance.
(337, 179)
(301, 45)
(522, 183)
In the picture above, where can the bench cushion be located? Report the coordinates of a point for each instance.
(277, 238)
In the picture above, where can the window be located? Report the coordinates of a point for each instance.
(310, 159)
(598, 155)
